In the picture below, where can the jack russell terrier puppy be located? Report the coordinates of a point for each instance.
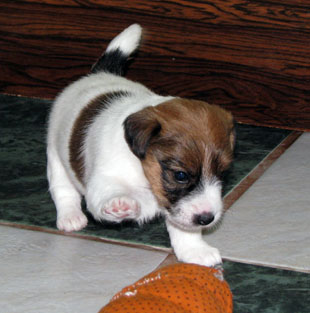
(134, 154)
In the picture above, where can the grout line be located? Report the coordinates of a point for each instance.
(169, 260)
(86, 237)
(263, 264)
(259, 170)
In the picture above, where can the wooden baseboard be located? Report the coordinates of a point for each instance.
(250, 57)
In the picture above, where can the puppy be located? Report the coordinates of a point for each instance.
(134, 154)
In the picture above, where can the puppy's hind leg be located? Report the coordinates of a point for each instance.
(66, 198)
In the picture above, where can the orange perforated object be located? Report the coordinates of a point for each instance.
(179, 288)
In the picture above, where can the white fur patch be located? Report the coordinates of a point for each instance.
(208, 200)
(127, 41)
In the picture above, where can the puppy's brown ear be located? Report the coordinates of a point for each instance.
(140, 129)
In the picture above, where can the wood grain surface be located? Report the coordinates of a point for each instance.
(252, 57)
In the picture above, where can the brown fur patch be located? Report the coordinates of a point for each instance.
(80, 127)
(195, 137)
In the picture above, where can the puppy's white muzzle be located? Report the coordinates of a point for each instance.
(200, 210)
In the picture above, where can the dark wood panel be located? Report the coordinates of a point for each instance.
(249, 56)
(286, 13)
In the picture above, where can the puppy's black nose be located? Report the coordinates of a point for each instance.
(204, 219)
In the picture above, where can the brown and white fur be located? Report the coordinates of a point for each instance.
(134, 154)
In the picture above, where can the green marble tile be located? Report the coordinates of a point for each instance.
(24, 197)
(258, 289)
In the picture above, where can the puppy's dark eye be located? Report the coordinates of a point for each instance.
(181, 177)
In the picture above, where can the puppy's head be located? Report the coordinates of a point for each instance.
(184, 146)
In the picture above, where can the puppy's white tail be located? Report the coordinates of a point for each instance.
(118, 51)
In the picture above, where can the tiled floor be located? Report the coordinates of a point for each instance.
(24, 197)
(270, 223)
(268, 226)
(48, 273)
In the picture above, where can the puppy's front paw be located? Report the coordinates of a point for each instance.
(72, 221)
(200, 254)
(120, 208)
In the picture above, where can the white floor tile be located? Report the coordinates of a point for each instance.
(270, 223)
(40, 272)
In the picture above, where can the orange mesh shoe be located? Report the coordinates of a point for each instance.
(178, 288)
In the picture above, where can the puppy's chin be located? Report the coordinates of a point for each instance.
(189, 225)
